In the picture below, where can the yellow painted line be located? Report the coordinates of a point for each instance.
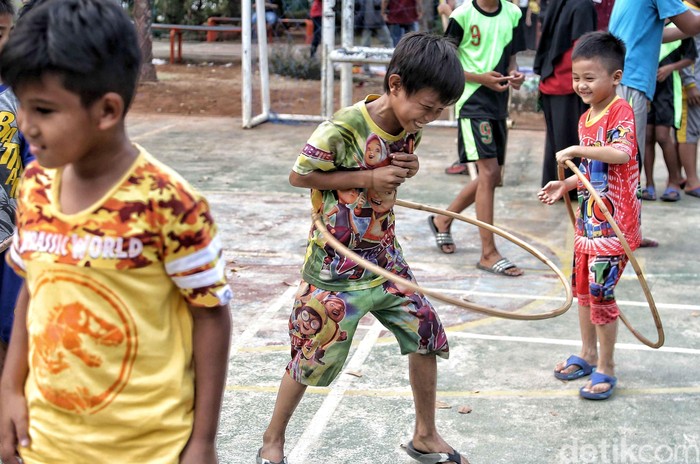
(659, 391)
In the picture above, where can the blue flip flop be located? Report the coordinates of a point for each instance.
(584, 369)
(597, 378)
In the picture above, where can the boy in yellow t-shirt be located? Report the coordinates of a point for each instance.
(123, 315)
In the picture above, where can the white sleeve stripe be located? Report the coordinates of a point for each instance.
(196, 259)
(202, 279)
(15, 256)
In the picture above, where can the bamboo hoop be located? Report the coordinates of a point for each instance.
(628, 252)
(343, 250)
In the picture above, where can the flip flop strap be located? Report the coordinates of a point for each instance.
(444, 238)
(502, 264)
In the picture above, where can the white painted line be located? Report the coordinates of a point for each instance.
(317, 426)
(565, 342)
(521, 296)
(138, 137)
(263, 319)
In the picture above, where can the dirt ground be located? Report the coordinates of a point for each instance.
(215, 90)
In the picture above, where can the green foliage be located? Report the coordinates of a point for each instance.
(291, 61)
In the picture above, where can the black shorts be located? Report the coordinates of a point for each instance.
(481, 139)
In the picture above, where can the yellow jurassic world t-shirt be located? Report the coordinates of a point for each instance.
(111, 375)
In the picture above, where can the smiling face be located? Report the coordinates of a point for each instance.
(309, 321)
(414, 111)
(381, 202)
(375, 155)
(594, 83)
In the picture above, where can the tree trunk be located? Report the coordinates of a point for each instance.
(143, 18)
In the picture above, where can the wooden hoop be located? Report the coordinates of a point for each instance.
(343, 250)
(628, 252)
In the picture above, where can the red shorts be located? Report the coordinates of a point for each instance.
(593, 282)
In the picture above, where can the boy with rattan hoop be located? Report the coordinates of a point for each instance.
(423, 78)
(609, 160)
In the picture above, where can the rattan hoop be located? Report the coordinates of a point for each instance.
(628, 252)
(343, 250)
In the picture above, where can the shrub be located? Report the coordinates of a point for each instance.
(291, 61)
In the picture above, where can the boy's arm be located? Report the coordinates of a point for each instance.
(666, 70)
(606, 154)
(384, 179)
(14, 420)
(687, 25)
(211, 340)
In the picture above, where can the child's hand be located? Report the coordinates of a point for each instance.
(495, 81)
(13, 426)
(406, 160)
(517, 79)
(388, 178)
(693, 95)
(663, 73)
(198, 452)
(551, 192)
(566, 154)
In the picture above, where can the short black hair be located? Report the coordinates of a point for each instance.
(90, 45)
(603, 46)
(424, 60)
(7, 7)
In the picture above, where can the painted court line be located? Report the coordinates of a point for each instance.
(262, 320)
(486, 394)
(317, 425)
(521, 296)
(565, 342)
(138, 137)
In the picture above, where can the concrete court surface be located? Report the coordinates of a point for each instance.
(502, 369)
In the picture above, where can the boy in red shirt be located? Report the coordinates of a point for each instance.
(608, 152)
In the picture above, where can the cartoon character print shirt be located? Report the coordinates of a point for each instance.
(110, 332)
(616, 184)
(361, 219)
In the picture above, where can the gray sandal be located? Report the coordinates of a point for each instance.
(261, 460)
(441, 238)
(432, 458)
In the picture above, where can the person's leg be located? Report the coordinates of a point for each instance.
(288, 398)
(396, 32)
(688, 146)
(319, 348)
(316, 40)
(549, 163)
(423, 378)
(688, 154)
(668, 146)
(607, 336)
(580, 287)
(566, 111)
(650, 157)
(589, 342)
(467, 149)
(640, 106)
(384, 37)
(605, 272)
